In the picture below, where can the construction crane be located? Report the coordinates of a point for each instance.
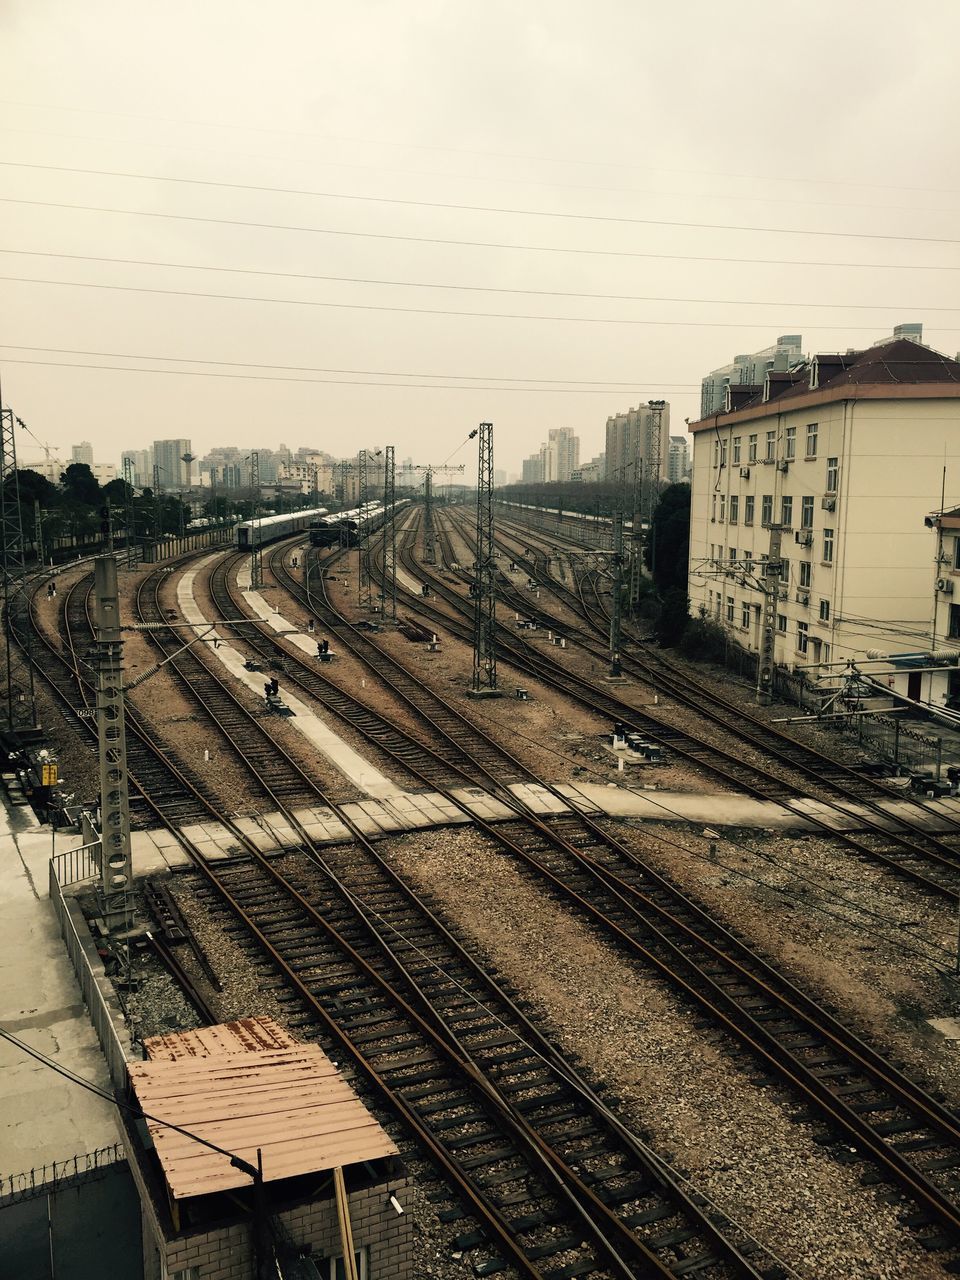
(429, 470)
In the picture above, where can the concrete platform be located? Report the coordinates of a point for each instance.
(42, 1116)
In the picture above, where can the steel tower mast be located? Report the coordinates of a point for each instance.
(20, 709)
(484, 681)
(388, 589)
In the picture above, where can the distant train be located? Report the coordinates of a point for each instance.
(252, 533)
(341, 528)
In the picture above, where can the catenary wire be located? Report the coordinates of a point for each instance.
(470, 244)
(475, 288)
(471, 208)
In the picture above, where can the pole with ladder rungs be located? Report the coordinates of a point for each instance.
(21, 703)
(129, 512)
(256, 553)
(364, 584)
(616, 606)
(388, 589)
(484, 682)
(768, 631)
(116, 866)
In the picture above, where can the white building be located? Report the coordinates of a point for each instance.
(846, 454)
(748, 371)
(590, 472)
(678, 463)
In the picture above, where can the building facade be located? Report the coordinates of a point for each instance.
(630, 445)
(748, 370)
(83, 452)
(678, 463)
(842, 458)
(141, 460)
(168, 456)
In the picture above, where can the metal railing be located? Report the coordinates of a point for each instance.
(76, 865)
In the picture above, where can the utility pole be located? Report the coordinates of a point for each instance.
(116, 868)
(13, 567)
(484, 683)
(770, 585)
(388, 590)
(429, 536)
(157, 505)
(656, 430)
(129, 511)
(256, 561)
(364, 585)
(38, 531)
(617, 603)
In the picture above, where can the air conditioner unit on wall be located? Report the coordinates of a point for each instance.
(829, 504)
(744, 473)
(782, 464)
(945, 585)
(803, 538)
(803, 597)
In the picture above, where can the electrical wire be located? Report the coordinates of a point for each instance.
(470, 244)
(473, 288)
(425, 311)
(470, 208)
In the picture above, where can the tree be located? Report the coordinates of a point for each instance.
(33, 487)
(118, 491)
(81, 485)
(668, 543)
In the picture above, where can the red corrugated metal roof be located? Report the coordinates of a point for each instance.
(232, 1087)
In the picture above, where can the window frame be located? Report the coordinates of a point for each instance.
(786, 510)
(812, 435)
(752, 448)
(790, 444)
(805, 575)
(806, 511)
(734, 516)
(736, 450)
(766, 508)
(749, 508)
(833, 472)
(803, 638)
(829, 547)
(770, 446)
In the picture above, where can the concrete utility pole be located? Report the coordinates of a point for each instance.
(388, 589)
(656, 431)
(617, 602)
(157, 505)
(770, 585)
(429, 535)
(364, 584)
(484, 682)
(116, 868)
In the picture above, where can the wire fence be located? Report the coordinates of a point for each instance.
(58, 1174)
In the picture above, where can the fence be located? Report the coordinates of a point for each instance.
(172, 546)
(57, 1175)
(75, 865)
(97, 993)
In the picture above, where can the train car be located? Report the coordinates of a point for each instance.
(341, 528)
(252, 533)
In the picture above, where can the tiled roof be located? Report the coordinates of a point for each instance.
(233, 1086)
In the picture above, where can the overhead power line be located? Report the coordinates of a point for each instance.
(473, 288)
(423, 311)
(474, 208)
(376, 373)
(470, 244)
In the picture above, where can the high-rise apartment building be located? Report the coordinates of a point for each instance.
(83, 452)
(168, 456)
(141, 460)
(678, 464)
(564, 447)
(748, 371)
(631, 452)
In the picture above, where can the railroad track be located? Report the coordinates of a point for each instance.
(892, 842)
(548, 1172)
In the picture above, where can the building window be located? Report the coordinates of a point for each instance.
(833, 472)
(751, 448)
(736, 451)
(954, 621)
(723, 453)
(784, 569)
(828, 546)
(824, 610)
(771, 446)
(713, 511)
(748, 561)
(790, 444)
(730, 610)
(805, 571)
(806, 513)
(811, 439)
(803, 636)
(723, 506)
(748, 507)
(734, 508)
(786, 511)
(782, 623)
(745, 616)
(956, 553)
(732, 552)
(766, 509)
(335, 1270)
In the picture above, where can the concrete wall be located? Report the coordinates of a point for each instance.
(86, 1230)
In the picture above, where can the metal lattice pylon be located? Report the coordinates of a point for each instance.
(429, 534)
(616, 605)
(130, 518)
(388, 588)
(364, 585)
(485, 581)
(21, 703)
(116, 868)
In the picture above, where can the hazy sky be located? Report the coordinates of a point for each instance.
(579, 135)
